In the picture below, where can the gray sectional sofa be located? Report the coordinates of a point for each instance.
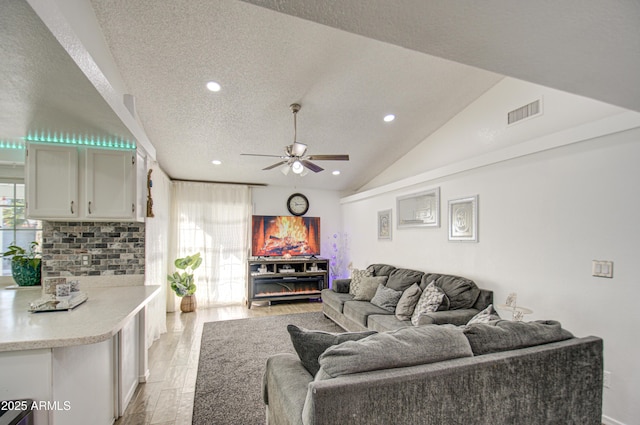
(500, 372)
(463, 300)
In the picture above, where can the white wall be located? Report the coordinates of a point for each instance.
(272, 200)
(543, 217)
(158, 229)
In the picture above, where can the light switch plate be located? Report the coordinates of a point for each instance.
(600, 268)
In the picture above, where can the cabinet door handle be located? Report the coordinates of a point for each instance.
(89, 207)
(72, 208)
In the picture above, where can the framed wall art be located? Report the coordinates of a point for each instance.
(463, 219)
(419, 209)
(384, 224)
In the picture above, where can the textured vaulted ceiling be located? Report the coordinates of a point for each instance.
(265, 61)
(348, 64)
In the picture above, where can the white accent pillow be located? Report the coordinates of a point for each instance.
(429, 302)
(485, 316)
(356, 278)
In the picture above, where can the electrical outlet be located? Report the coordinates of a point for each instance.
(601, 268)
(85, 259)
(606, 379)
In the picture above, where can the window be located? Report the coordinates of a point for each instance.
(15, 227)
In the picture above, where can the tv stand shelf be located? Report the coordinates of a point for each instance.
(273, 279)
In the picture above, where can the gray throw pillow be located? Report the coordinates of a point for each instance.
(386, 298)
(356, 278)
(504, 335)
(429, 302)
(310, 344)
(408, 346)
(408, 301)
(368, 286)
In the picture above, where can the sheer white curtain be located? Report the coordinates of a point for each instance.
(213, 219)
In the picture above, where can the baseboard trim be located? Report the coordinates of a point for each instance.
(610, 421)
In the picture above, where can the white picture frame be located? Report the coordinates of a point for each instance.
(385, 224)
(420, 209)
(463, 219)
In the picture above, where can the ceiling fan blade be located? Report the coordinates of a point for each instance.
(329, 157)
(259, 154)
(313, 167)
(270, 167)
(298, 149)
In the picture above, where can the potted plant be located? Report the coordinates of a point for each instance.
(25, 265)
(183, 283)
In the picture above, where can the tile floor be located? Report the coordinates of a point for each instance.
(167, 398)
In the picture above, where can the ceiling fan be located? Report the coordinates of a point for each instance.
(295, 158)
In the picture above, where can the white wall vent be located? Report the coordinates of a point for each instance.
(526, 111)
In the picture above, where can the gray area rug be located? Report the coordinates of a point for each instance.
(233, 356)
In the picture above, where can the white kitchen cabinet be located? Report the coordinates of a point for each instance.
(110, 187)
(52, 181)
(80, 183)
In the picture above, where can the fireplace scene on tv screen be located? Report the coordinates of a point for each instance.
(282, 235)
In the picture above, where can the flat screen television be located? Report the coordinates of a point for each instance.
(273, 235)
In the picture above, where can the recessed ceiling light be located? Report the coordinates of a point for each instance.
(216, 162)
(336, 173)
(389, 118)
(213, 86)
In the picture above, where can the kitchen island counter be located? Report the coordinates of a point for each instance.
(98, 319)
(83, 364)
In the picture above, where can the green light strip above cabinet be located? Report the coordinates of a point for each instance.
(11, 144)
(56, 138)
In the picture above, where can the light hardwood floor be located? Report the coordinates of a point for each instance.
(167, 398)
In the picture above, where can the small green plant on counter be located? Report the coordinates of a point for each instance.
(183, 283)
(25, 264)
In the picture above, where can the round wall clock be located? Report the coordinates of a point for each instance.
(298, 204)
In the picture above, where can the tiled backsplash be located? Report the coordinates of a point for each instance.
(113, 248)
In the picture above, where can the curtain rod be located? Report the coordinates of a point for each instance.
(219, 182)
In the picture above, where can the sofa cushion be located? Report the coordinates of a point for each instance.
(381, 269)
(504, 335)
(401, 279)
(408, 346)
(356, 278)
(428, 303)
(407, 303)
(462, 292)
(386, 298)
(367, 287)
(334, 299)
(386, 322)
(486, 315)
(359, 311)
(310, 344)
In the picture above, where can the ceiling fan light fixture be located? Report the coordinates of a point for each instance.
(297, 167)
(285, 169)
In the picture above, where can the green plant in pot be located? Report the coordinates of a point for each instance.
(26, 265)
(183, 283)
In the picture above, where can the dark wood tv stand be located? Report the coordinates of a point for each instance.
(277, 278)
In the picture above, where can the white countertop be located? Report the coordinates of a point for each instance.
(98, 319)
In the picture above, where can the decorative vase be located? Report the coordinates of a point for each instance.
(188, 304)
(25, 274)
